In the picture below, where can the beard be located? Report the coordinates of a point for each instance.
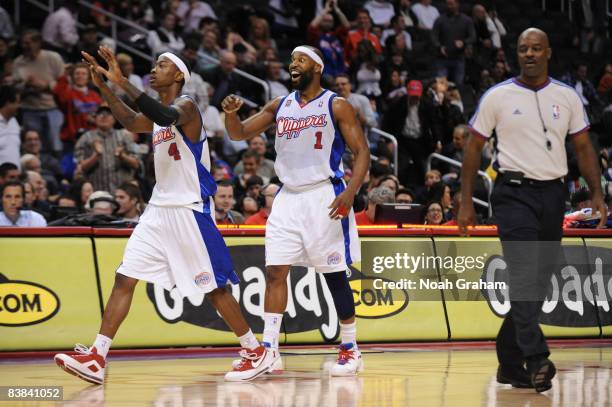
(304, 80)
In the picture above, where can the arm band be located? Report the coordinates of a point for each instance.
(161, 115)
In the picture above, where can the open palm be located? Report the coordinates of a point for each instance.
(113, 73)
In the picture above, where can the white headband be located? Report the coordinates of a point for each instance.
(310, 53)
(179, 64)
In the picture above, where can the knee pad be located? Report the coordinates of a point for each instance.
(340, 289)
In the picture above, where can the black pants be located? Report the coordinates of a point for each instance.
(527, 213)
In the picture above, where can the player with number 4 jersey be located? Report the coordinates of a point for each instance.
(176, 243)
(312, 221)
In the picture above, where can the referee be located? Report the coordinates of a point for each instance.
(532, 115)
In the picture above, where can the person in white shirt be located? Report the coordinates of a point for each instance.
(398, 27)
(12, 214)
(165, 37)
(10, 141)
(426, 14)
(381, 11)
(60, 27)
(192, 11)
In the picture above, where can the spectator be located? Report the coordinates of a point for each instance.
(13, 194)
(586, 90)
(77, 102)
(398, 27)
(377, 196)
(41, 193)
(452, 34)
(424, 192)
(363, 32)
(260, 34)
(224, 80)
(209, 48)
(8, 172)
(251, 164)
(454, 150)
(394, 89)
(405, 117)
(129, 200)
(81, 189)
(9, 128)
(580, 199)
(191, 12)
(60, 28)
(6, 24)
(30, 162)
(391, 182)
(29, 196)
(105, 154)
(433, 214)
(322, 35)
(426, 14)
(67, 201)
(261, 217)
(368, 75)
(381, 11)
(441, 193)
(452, 215)
(165, 37)
(101, 203)
(224, 202)
(500, 72)
(440, 114)
(40, 69)
(499, 31)
(249, 206)
(483, 46)
(253, 187)
(273, 77)
(404, 9)
(196, 87)
(404, 196)
(605, 83)
(265, 167)
(126, 64)
(88, 42)
(361, 104)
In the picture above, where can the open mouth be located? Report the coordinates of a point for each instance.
(295, 75)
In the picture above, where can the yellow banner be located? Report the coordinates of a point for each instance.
(48, 293)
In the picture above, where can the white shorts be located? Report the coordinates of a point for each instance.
(300, 232)
(178, 246)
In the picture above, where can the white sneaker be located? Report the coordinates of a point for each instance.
(277, 367)
(254, 363)
(88, 365)
(349, 361)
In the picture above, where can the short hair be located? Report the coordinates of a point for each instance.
(249, 154)
(381, 195)
(405, 191)
(207, 20)
(464, 129)
(389, 177)
(35, 34)
(343, 75)
(225, 183)
(26, 130)
(132, 190)
(6, 167)
(8, 94)
(192, 42)
(580, 196)
(380, 170)
(124, 58)
(13, 184)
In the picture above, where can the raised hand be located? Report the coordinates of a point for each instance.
(113, 73)
(96, 78)
(231, 104)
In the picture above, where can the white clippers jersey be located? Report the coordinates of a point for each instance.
(182, 168)
(309, 146)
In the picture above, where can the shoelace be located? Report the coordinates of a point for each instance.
(246, 356)
(82, 349)
(344, 356)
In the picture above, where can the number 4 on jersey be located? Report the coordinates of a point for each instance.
(173, 151)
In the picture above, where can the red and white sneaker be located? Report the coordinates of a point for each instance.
(88, 365)
(254, 363)
(276, 368)
(349, 361)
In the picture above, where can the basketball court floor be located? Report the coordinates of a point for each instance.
(458, 374)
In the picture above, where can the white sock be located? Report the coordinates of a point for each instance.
(272, 326)
(248, 340)
(102, 345)
(348, 333)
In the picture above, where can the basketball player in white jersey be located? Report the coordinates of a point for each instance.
(176, 242)
(312, 222)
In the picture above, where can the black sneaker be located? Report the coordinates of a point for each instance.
(541, 372)
(517, 376)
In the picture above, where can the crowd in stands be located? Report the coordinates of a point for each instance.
(414, 69)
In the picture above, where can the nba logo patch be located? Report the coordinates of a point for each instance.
(334, 258)
(321, 103)
(288, 103)
(202, 279)
(556, 111)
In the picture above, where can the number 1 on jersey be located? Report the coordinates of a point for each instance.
(173, 151)
(319, 137)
